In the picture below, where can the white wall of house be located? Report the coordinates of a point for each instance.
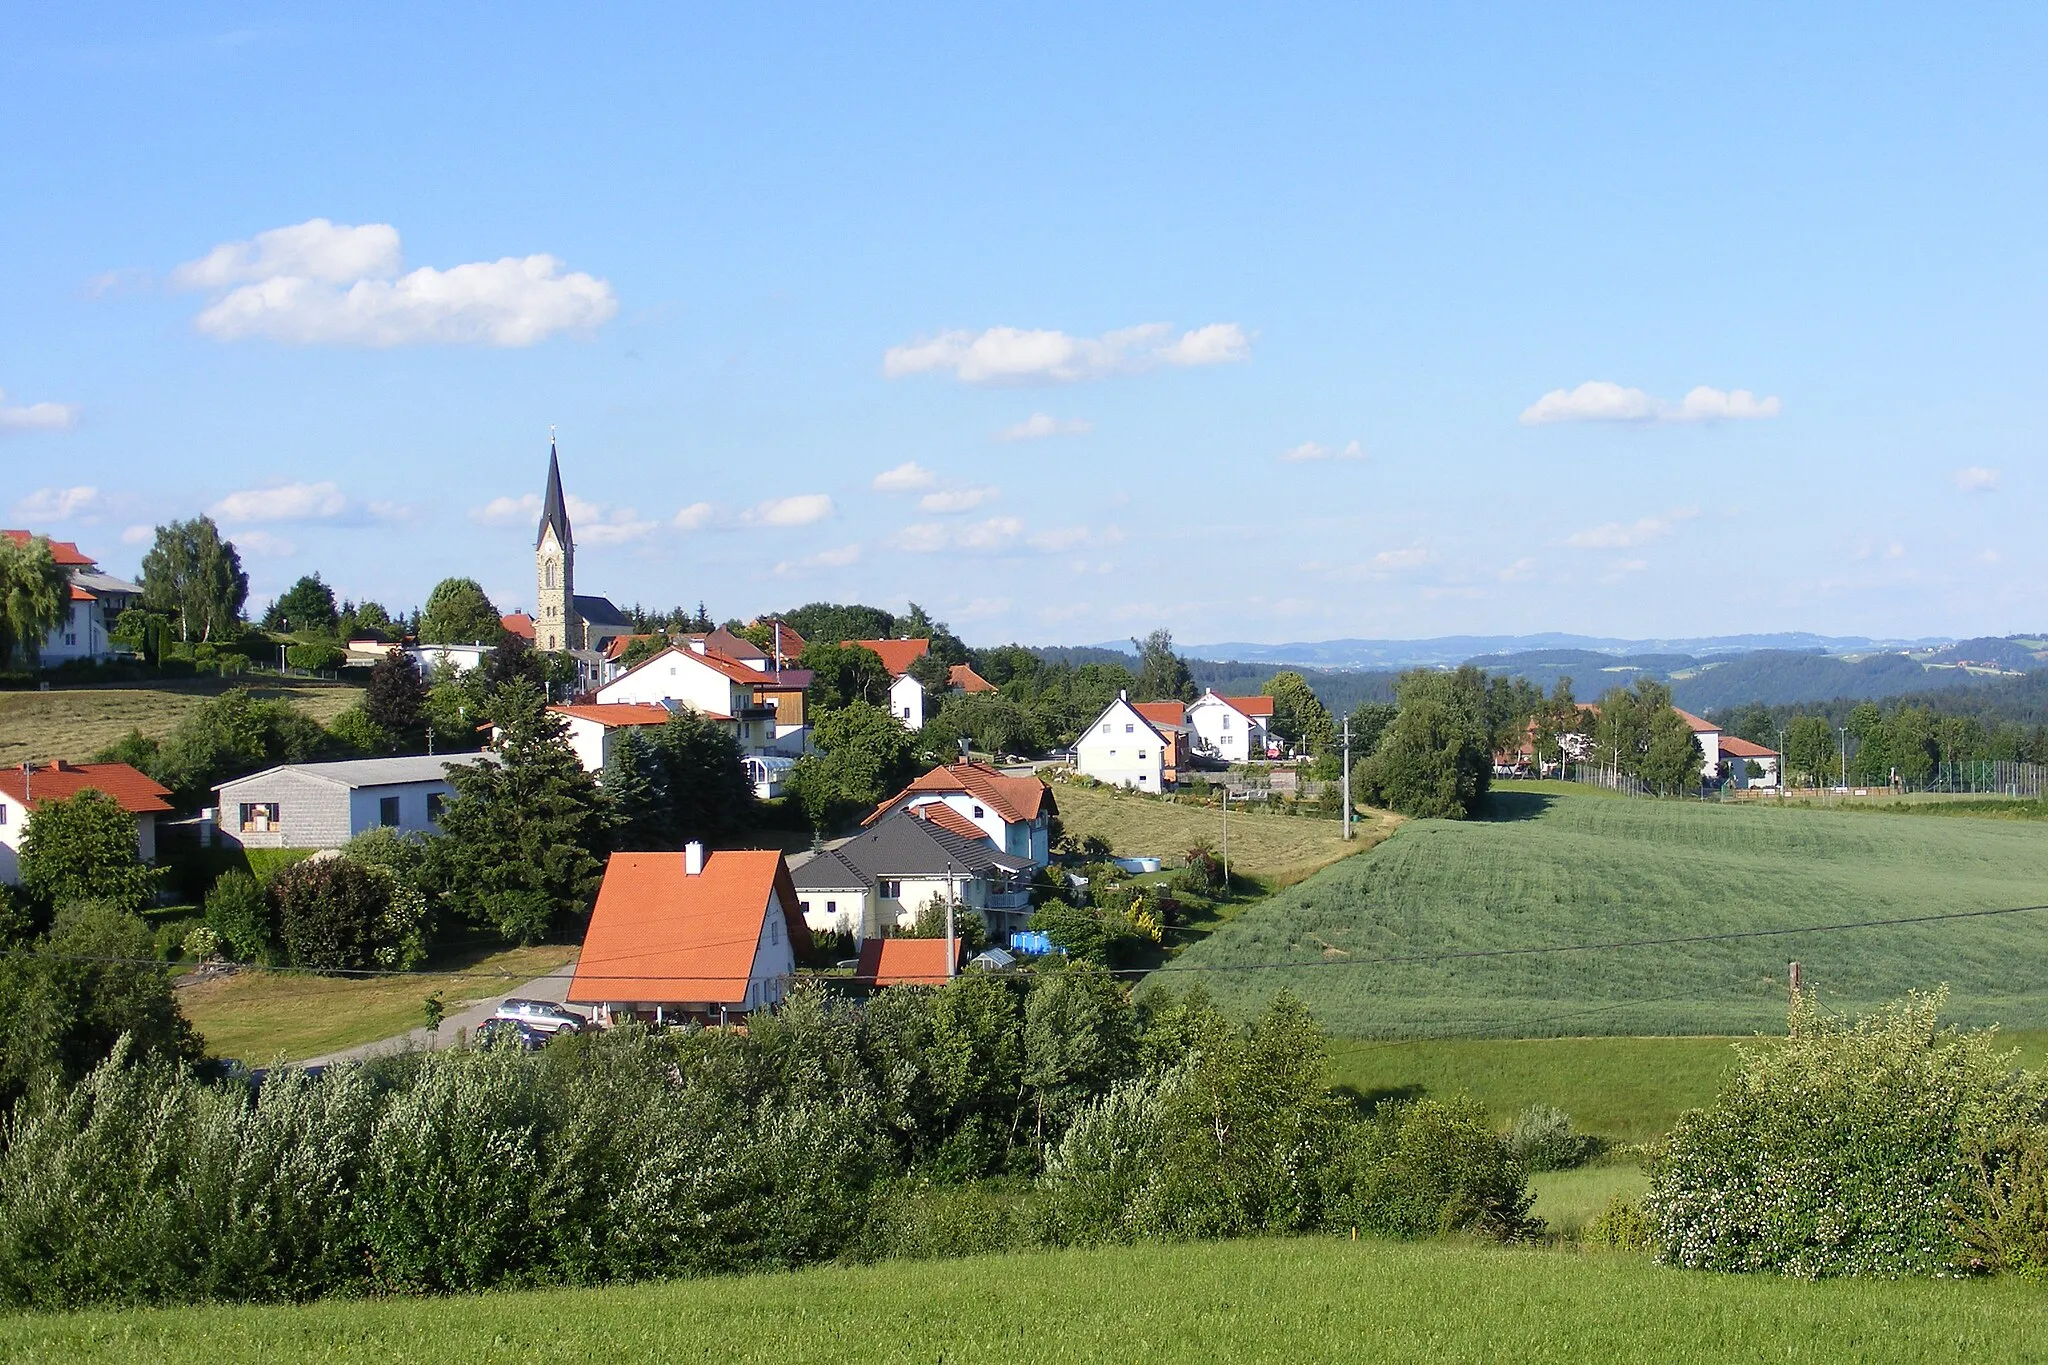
(906, 701)
(834, 909)
(314, 812)
(774, 958)
(1710, 752)
(1223, 730)
(82, 634)
(1122, 748)
(14, 823)
(1019, 838)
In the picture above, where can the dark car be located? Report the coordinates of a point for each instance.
(509, 1033)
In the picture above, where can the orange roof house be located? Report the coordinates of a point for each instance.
(28, 786)
(908, 961)
(1733, 746)
(1013, 813)
(1232, 729)
(518, 623)
(1162, 713)
(963, 678)
(690, 935)
(897, 655)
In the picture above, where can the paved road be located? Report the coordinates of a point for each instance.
(454, 1028)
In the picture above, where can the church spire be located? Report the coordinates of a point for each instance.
(554, 508)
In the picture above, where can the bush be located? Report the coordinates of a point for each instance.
(168, 942)
(201, 943)
(355, 731)
(1848, 1150)
(320, 656)
(913, 1218)
(1622, 1226)
(337, 914)
(238, 912)
(1428, 1167)
(1542, 1140)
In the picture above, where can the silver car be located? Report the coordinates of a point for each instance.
(544, 1016)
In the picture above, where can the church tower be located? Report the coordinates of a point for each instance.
(555, 625)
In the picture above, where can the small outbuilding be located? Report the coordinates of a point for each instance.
(324, 805)
(908, 962)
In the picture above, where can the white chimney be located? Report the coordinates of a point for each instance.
(693, 858)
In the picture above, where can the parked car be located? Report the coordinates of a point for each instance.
(544, 1015)
(510, 1033)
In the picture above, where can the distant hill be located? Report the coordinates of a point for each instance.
(1451, 650)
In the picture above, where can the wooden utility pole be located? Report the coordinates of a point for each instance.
(1796, 980)
(1224, 787)
(1347, 777)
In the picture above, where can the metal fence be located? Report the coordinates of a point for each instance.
(1596, 775)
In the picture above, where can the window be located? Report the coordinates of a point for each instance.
(71, 640)
(3, 812)
(1226, 722)
(1141, 753)
(892, 889)
(551, 573)
(1130, 729)
(260, 816)
(1105, 727)
(803, 907)
(775, 932)
(831, 907)
(387, 810)
(434, 803)
(977, 812)
(906, 713)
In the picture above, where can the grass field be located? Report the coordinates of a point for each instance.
(74, 722)
(262, 1017)
(1566, 869)
(1568, 1200)
(1274, 850)
(1322, 1299)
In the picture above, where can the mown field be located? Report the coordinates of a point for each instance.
(74, 722)
(264, 1017)
(1274, 850)
(1242, 1301)
(1566, 869)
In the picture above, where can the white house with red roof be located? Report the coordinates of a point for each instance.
(709, 683)
(906, 694)
(96, 601)
(1234, 729)
(1013, 813)
(1139, 744)
(24, 788)
(592, 727)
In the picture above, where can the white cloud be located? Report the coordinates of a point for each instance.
(1014, 355)
(1990, 557)
(800, 509)
(1065, 538)
(138, 535)
(264, 545)
(695, 517)
(37, 416)
(923, 538)
(997, 533)
(508, 511)
(993, 536)
(283, 502)
(1310, 451)
(1615, 535)
(327, 283)
(1040, 425)
(1392, 560)
(1977, 479)
(839, 558)
(956, 499)
(980, 608)
(1600, 401)
(1522, 569)
(61, 504)
(595, 524)
(1383, 565)
(907, 477)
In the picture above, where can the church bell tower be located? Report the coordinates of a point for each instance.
(555, 626)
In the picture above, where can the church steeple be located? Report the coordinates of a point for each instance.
(554, 510)
(556, 625)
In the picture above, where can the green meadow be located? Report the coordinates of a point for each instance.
(1551, 869)
(1320, 1299)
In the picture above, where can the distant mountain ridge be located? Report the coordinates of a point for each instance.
(1451, 650)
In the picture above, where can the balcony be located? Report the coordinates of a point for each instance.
(1009, 900)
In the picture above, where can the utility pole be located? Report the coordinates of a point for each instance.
(1347, 777)
(1224, 787)
(1796, 980)
(952, 951)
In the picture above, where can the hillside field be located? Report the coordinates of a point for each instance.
(1307, 1299)
(74, 722)
(1276, 850)
(1553, 869)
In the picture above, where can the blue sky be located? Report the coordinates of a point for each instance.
(1065, 323)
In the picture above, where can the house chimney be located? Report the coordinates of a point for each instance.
(693, 858)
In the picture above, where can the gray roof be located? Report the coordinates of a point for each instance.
(599, 611)
(92, 580)
(372, 772)
(554, 508)
(903, 846)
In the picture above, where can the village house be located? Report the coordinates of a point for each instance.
(95, 602)
(962, 680)
(700, 936)
(907, 962)
(592, 727)
(1740, 753)
(906, 694)
(876, 883)
(1233, 729)
(24, 788)
(717, 688)
(324, 805)
(1015, 813)
(1142, 745)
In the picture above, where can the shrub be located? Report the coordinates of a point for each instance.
(169, 939)
(83, 848)
(1429, 1167)
(1844, 1151)
(201, 943)
(354, 730)
(333, 913)
(318, 655)
(237, 911)
(1543, 1140)
(1622, 1226)
(2008, 1227)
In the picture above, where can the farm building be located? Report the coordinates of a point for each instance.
(324, 805)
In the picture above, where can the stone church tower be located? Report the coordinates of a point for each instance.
(555, 624)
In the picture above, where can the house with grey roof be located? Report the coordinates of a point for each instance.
(874, 884)
(324, 805)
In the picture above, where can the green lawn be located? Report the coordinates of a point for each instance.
(73, 722)
(1563, 868)
(263, 1017)
(1275, 850)
(1568, 1200)
(1320, 1299)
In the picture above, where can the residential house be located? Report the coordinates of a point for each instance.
(95, 600)
(906, 694)
(1142, 745)
(1233, 729)
(961, 679)
(324, 805)
(28, 786)
(711, 684)
(1740, 753)
(690, 936)
(1709, 736)
(908, 962)
(875, 883)
(784, 690)
(1014, 812)
(518, 623)
(593, 727)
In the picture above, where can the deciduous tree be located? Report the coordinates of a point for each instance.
(83, 848)
(864, 755)
(459, 613)
(35, 598)
(1162, 675)
(307, 606)
(190, 573)
(1437, 757)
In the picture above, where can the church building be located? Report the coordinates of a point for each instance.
(563, 620)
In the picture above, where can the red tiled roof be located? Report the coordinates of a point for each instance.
(793, 644)
(79, 594)
(1734, 746)
(659, 935)
(518, 623)
(1699, 727)
(615, 647)
(615, 713)
(1017, 799)
(731, 668)
(63, 551)
(945, 817)
(897, 655)
(1162, 712)
(966, 679)
(133, 791)
(905, 961)
(723, 641)
(1252, 706)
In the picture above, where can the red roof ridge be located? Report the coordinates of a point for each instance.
(897, 655)
(616, 712)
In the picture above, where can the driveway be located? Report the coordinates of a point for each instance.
(455, 1026)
